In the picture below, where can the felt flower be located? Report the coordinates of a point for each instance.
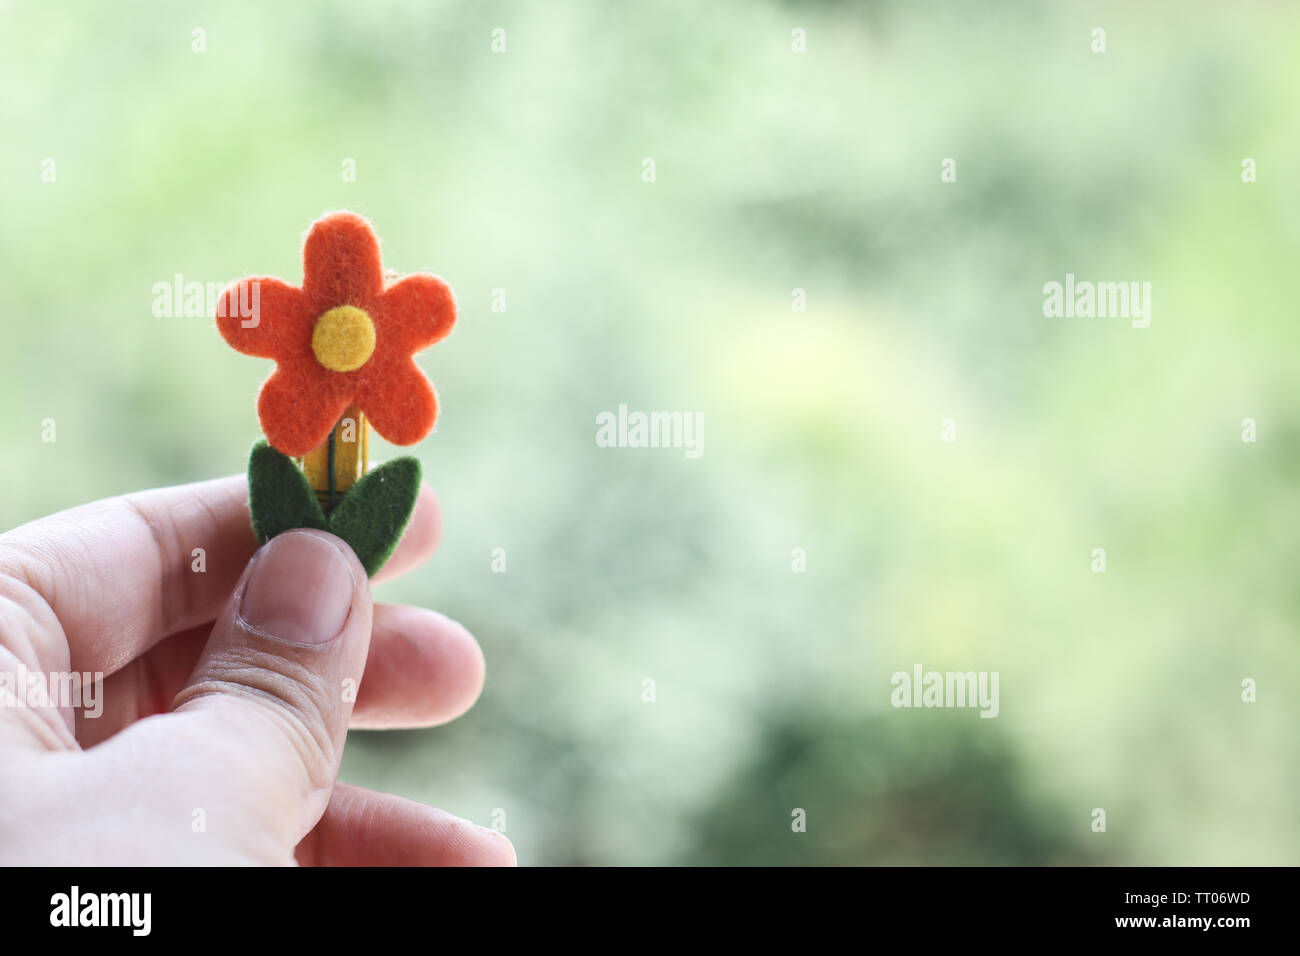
(343, 339)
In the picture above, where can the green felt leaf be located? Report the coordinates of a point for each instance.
(279, 497)
(370, 517)
(373, 514)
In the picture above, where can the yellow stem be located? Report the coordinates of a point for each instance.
(351, 453)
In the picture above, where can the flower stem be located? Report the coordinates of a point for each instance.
(333, 479)
(344, 457)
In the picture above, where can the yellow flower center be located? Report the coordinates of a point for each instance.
(344, 339)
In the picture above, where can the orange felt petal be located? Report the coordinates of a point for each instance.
(400, 403)
(263, 316)
(416, 312)
(340, 263)
(298, 407)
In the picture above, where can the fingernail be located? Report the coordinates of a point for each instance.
(300, 589)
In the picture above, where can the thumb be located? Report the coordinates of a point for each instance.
(274, 687)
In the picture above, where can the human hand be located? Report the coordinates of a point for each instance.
(239, 724)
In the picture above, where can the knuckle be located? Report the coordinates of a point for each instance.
(292, 694)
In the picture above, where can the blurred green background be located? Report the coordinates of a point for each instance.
(775, 170)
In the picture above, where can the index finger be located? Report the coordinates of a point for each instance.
(123, 573)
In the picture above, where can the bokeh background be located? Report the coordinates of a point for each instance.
(775, 170)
